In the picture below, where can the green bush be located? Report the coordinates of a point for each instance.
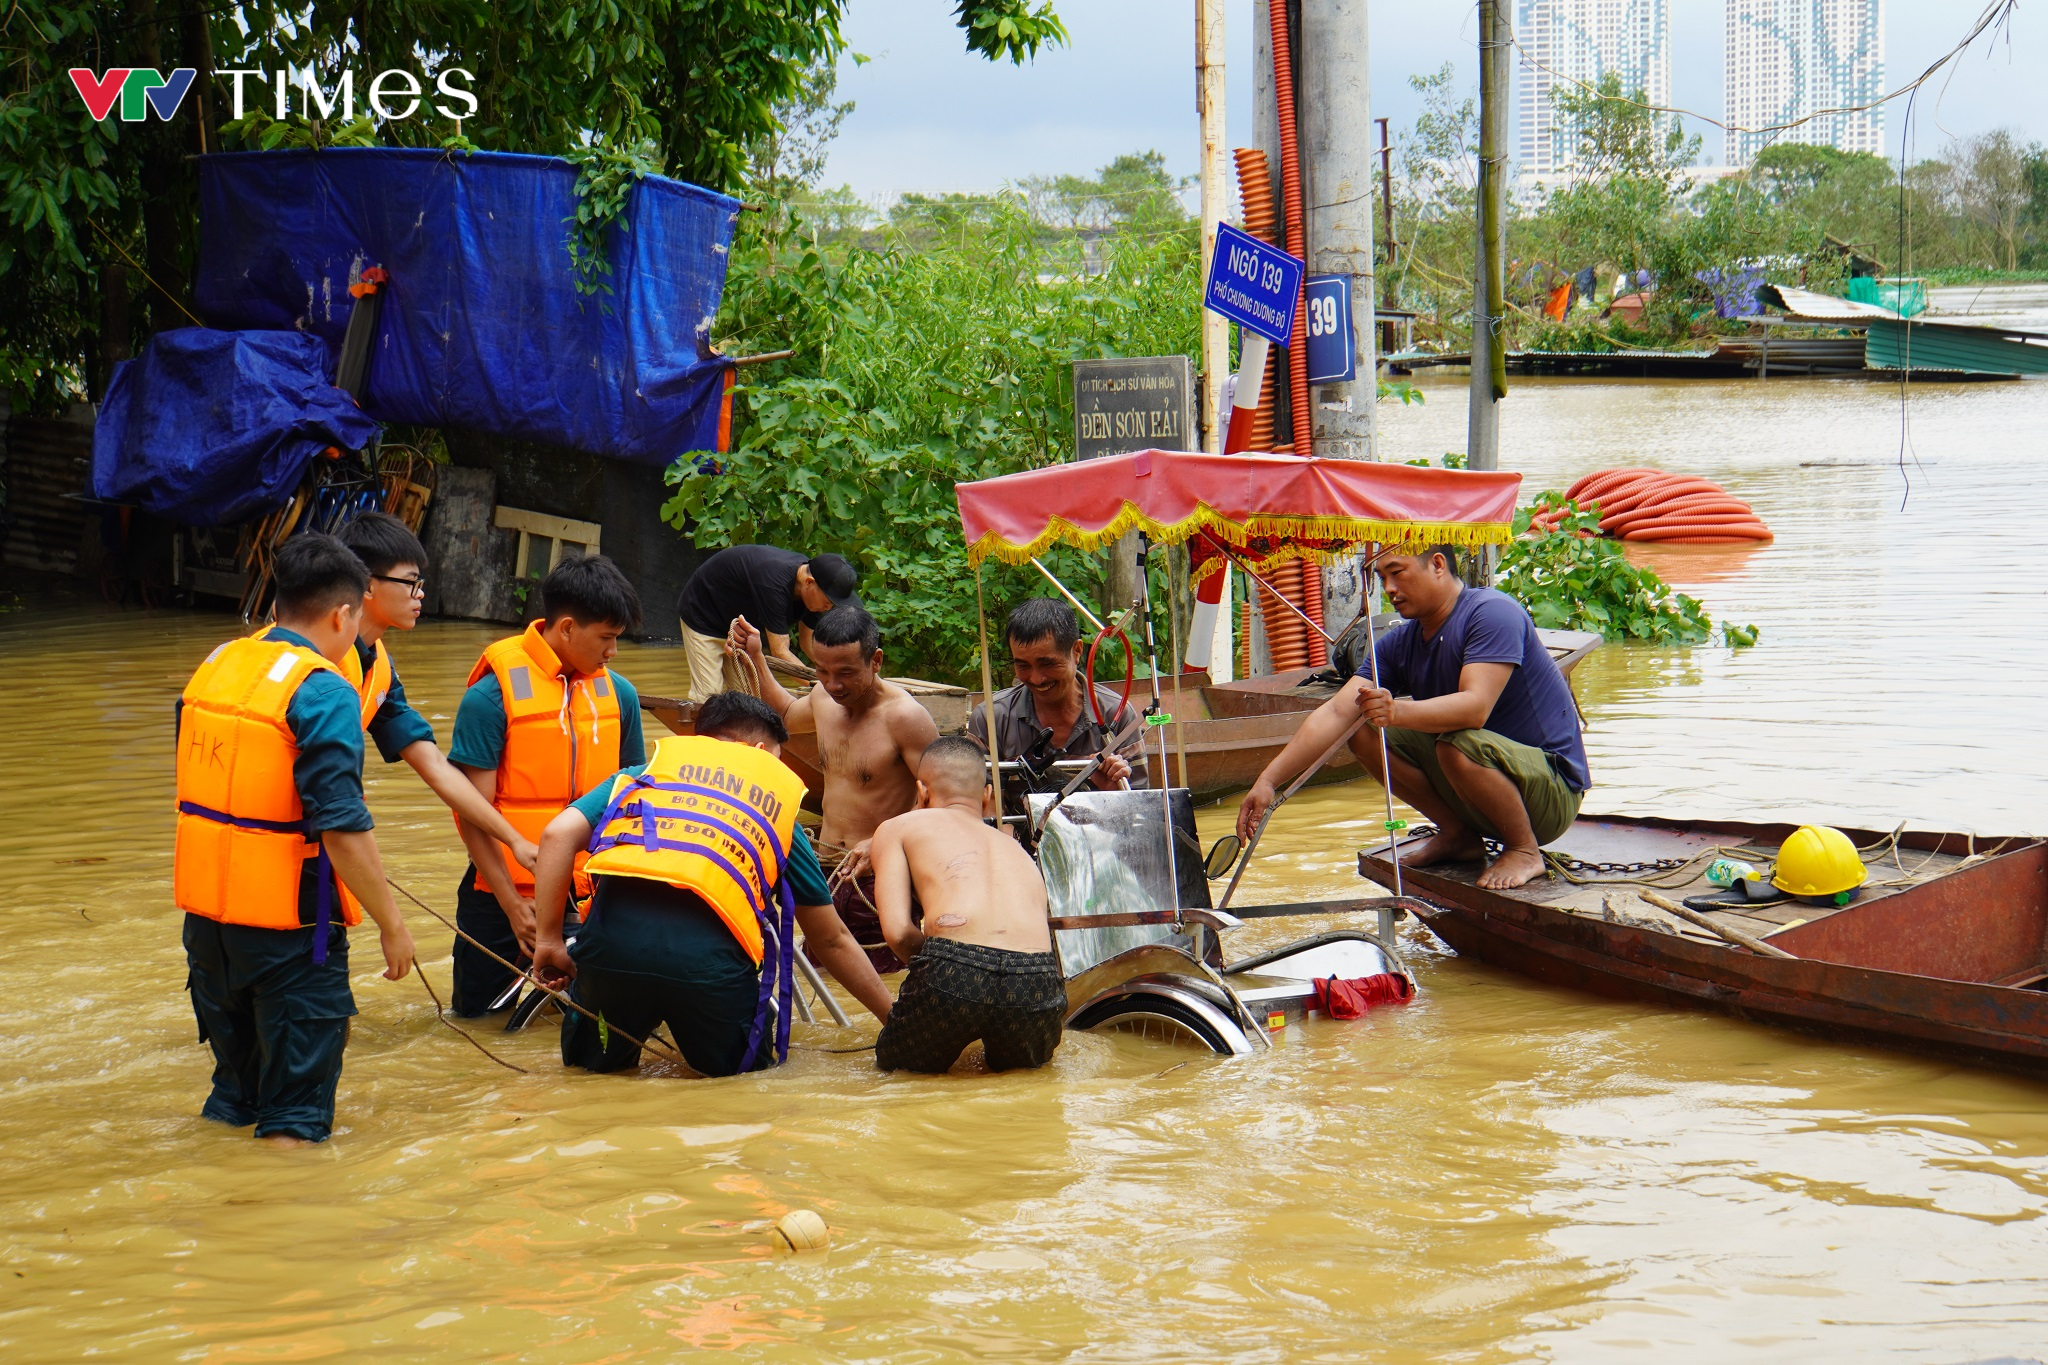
(915, 370)
(1570, 581)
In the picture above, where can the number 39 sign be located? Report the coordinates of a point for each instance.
(1332, 352)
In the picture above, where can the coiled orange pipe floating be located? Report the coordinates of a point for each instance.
(1655, 505)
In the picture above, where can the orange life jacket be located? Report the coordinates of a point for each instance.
(373, 687)
(371, 690)
(561, 737)
(242, 840)
(711, 817)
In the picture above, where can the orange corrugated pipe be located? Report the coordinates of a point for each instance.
(1309, 580)
(1287, 633)
(1290, 191)
(1255, 205)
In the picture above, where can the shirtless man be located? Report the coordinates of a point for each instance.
(982, 966)
(870, 735)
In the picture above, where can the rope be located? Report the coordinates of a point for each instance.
(151, 279)
(469, 1037)
(526, 974)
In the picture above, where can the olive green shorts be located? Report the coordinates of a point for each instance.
(1549, 799)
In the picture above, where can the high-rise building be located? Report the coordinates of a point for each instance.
(1569, 43)
(1789, 59)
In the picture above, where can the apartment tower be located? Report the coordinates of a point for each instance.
(1787, 60)
(1570, 43)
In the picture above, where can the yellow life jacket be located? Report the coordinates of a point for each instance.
(242, 840)
(561, 737)
(711, 817)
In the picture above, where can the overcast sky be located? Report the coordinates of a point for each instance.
(930, 117)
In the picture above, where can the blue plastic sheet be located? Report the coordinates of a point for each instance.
(208, 427)
(482, 324)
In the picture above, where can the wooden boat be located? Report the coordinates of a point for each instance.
(1946, 949)
(1232, 730)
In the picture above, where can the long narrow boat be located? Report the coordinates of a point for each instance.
(1946, 949)
(1231, 730)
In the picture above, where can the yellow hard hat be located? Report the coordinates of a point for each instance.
(1818, 861)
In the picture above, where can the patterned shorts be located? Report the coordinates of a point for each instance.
(1014, 1003)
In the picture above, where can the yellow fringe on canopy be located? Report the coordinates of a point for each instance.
(1209, 568)
(1059, 531)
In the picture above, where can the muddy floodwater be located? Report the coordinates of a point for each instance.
(1497, 1172)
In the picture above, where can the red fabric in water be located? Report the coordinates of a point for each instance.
(1351, 999)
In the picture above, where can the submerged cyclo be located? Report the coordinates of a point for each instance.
(1140, 942)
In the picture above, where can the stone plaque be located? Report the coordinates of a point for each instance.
(1144, 403)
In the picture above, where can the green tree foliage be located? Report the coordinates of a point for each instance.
(1134, 191)
(916, 369)
(94, 211)
(1572, 579)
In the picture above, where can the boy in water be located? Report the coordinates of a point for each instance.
(982, 966)
(398, 587)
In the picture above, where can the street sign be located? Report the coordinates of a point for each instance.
(1332, 348)
(1139, 403)
(1254, 284)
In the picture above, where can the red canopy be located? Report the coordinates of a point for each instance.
(1264, 507)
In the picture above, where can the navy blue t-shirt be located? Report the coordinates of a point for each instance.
(1489, 627)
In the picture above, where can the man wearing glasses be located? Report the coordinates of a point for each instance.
(394, 557)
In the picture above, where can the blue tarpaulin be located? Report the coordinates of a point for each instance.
(208, 427)
(482, 324)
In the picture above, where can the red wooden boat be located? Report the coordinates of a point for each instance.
(1946, 949)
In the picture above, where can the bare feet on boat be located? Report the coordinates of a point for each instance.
(1511, 869)
(1461, 847)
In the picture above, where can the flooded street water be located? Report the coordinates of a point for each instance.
(1497, 1172)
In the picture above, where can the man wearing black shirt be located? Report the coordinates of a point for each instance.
(780, 592)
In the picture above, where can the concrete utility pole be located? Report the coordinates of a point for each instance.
(1333, 97)
(1489, 276)
(1388, 298)
(1337, 173)
(1215, 207)
(1489, 293)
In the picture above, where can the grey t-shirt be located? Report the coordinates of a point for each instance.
(1018, 731)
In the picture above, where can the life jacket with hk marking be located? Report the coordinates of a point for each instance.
(242, 840)
(561, 737)
(716, 819)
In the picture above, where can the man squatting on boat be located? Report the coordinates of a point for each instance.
(1481, 732)
(870, 735)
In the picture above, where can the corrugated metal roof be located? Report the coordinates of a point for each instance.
(1966, 350)
(1707, 354)
(1806, 303)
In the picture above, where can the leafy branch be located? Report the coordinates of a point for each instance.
(1571, 579)
(605, 178)
(1009, 28)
